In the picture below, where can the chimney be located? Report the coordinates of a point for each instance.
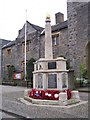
(59, 17)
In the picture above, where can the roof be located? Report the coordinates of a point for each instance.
(54, 28)
(9, 44)
(30, 29)
(57, 27)
(36, 27)
(5, 40)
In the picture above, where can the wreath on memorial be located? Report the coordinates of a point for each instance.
(48, 94)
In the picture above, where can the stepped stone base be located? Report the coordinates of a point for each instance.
(51, 102)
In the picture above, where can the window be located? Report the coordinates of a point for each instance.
(27, 47)
(55, 39)
(23, 65)
(9, 51)
(23, 47)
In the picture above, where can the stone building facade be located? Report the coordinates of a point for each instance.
(13, 53)
(2, 42)
(78, 34)
(69, 39)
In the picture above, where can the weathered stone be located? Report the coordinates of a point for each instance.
(77, 34)
(2, 42)
(73, 42)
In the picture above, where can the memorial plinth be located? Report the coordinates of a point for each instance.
(50, 74)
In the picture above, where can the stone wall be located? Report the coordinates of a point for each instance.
(58, 50)
(89, 40)
(77, 33)
(7, 60)
(63, 44)
(0, 57)
(2, 42)
(17, 54)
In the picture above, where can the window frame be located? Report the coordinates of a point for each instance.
(55, 41)
(8, 51)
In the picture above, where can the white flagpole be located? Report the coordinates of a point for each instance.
(25, 41)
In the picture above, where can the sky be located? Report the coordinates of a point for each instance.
(13, 15)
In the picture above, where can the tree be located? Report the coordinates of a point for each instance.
(30, 69)
(11, 70)
(83, 71)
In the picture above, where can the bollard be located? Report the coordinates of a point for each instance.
(75, 95)
(62, 98)
(26, 92)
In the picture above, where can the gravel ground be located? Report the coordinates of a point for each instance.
(10, 103)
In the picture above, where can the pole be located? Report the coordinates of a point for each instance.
(25, 41)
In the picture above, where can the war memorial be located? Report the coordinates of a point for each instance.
(50, 78)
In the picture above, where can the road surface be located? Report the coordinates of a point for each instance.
(12, 108)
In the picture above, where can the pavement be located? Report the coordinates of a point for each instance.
(12, 107)
(84, 89)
